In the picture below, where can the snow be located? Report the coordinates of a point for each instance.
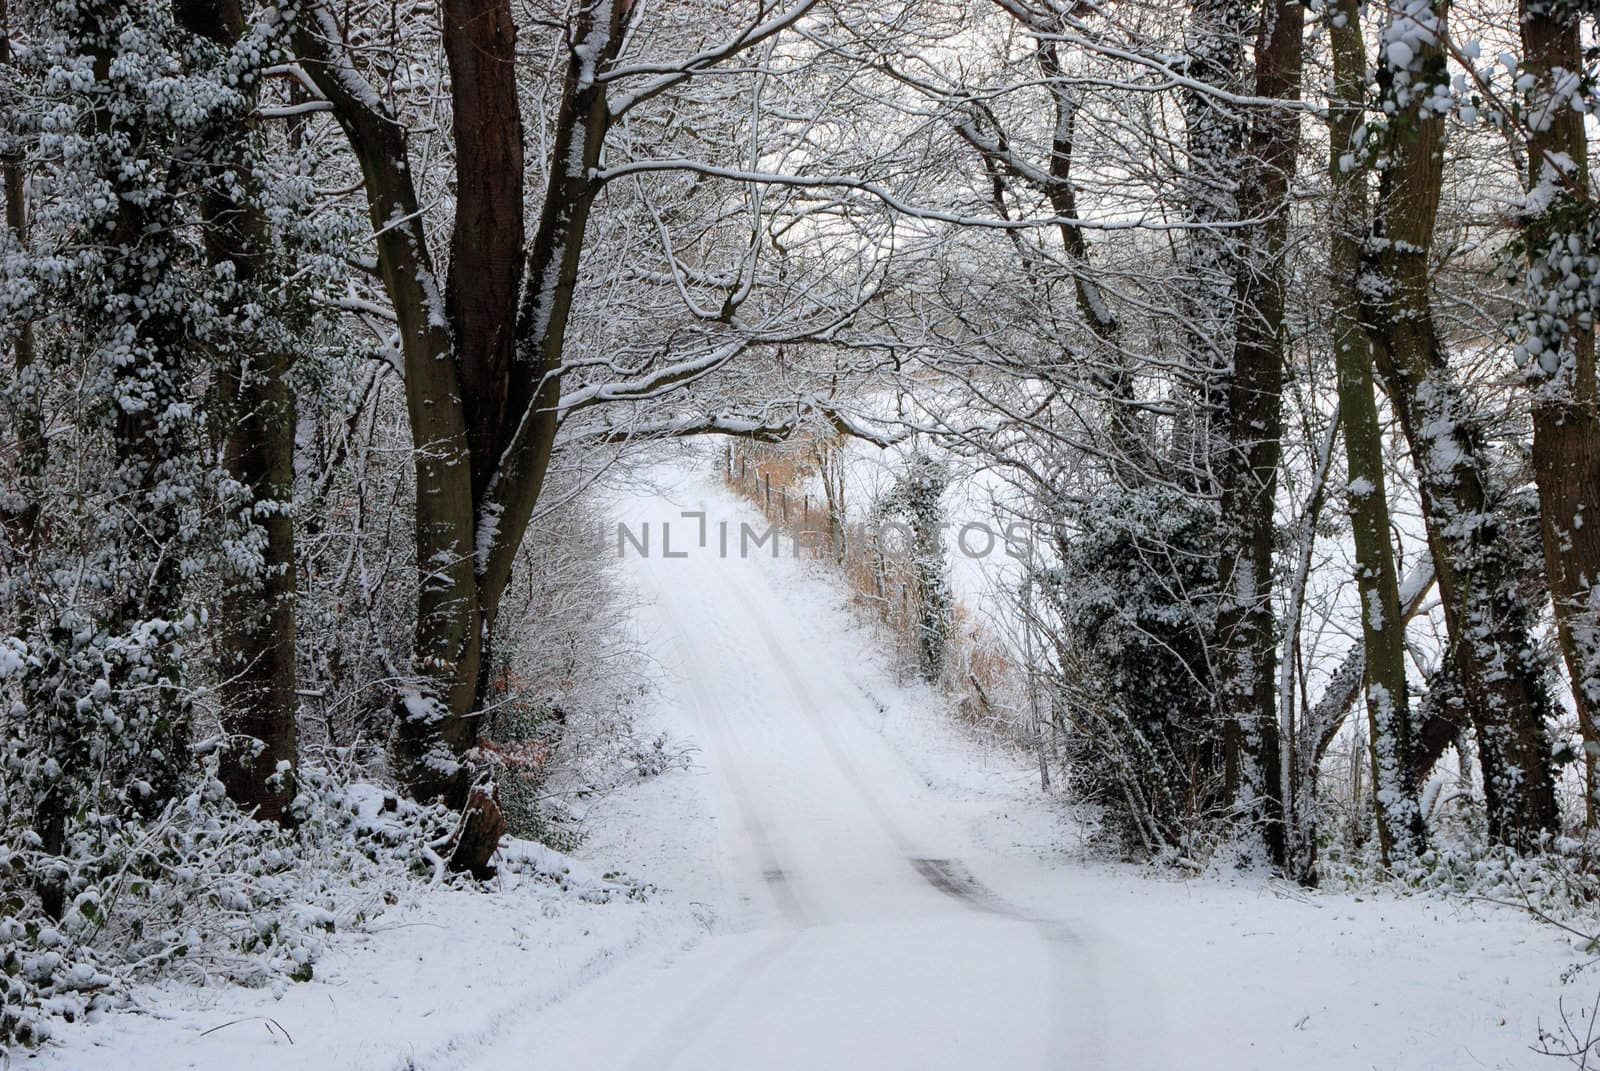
(488, 533)
(834, 947)
(847, 879)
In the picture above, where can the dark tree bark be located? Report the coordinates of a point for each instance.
(1441, 720)
(258, 614)
(1488, 620)
(486, 243)
(1566, 400)
(1251, 431)
(21, 525)
(257, 411)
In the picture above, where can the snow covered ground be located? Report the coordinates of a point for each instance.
(845, 880)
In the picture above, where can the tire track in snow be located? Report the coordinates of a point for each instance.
(1076, 995)
(1075, 1034)
(668, 1045)
(780, 883)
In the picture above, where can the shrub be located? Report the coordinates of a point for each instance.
(1133, 590)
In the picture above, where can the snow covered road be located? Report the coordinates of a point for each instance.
(860, 930)
(888, 895)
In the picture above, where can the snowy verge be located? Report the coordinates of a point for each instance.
(422, 984)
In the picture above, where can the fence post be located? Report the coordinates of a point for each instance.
(768, 482)
(1034, 720)
(741, 468)
(783, 501)
(878, 571)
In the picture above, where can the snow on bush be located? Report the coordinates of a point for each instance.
(1559, 884)
(204, 893)
(1133, 586)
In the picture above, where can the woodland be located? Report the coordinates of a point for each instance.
(330, 330)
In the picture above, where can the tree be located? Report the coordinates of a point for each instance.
(129, 293)
(1129, 599)
(1251, 430)
(1400, 828)
(257, 414)
(485, 355)
(1489, 621)
(917, 496)
(1557, 350)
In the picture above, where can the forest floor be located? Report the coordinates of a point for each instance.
(848, 879)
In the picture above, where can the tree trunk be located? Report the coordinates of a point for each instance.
(258, 615)
(486, 242)
(1488, 620)
(1401, 833)
(21, 524)
(1566, 400)
(431, 726)
(482, 372)
(1214, 144)
(1251, 441)
(149, 381)
(257, 621)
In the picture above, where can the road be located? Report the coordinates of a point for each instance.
(857, 928)
(879, 903)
